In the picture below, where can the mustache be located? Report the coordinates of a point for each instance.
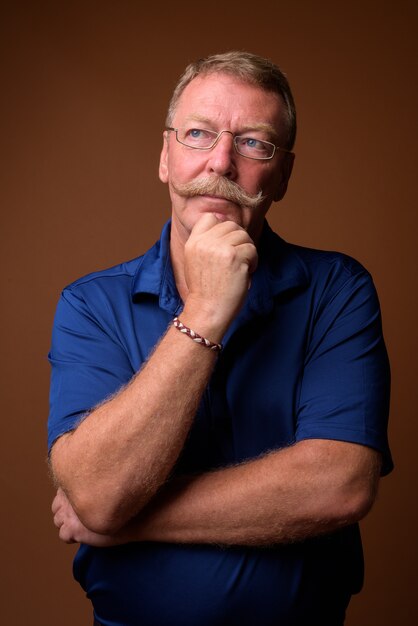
(219, 186)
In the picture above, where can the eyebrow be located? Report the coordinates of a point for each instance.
(259, 126)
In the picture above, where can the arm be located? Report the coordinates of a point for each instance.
(120, 454)
(313, 487)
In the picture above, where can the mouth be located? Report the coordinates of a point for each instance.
(214, 198)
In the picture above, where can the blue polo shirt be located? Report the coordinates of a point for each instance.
(305, 358)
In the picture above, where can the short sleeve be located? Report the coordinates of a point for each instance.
(344, 393)
(88, 365)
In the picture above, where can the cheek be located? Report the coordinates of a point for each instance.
(271, 182)
(184, 166)
(255, 176)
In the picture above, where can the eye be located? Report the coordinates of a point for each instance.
(256, 148)
(194, 133)
(198, 134)
(198, 137)
(251, 143)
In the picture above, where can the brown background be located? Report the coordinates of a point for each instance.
(84, 89)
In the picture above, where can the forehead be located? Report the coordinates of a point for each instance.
(230, 103)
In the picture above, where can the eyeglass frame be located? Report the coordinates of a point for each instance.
(234, 137)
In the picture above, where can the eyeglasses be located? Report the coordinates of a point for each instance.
(245, 145)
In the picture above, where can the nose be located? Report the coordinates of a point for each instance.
(222, 157)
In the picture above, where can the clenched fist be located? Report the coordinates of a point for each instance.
(219, 260)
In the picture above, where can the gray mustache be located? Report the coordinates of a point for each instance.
(219, 186)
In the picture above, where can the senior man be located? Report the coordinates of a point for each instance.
(219, 405)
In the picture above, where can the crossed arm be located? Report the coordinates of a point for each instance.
(313, 487)
(112, 470)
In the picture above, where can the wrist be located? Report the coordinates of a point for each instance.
(196, 337)
(204, 319)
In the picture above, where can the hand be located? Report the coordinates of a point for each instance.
(71, 530)
(219, 260)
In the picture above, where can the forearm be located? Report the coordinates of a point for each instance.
(305, 490)
(117, 458)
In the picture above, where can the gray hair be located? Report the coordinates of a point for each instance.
(249, 68)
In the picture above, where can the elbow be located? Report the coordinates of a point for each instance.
(98, 517)
(105, 514)
(109, 513)
(102, 514)
(101, 506)
(352, 507)
(360, 492)
(363, 502)
(99, 514)
(352, 485)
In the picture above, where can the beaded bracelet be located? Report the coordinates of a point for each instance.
(216, 347)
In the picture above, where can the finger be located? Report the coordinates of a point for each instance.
(248, 253)
(218, 227)
(235, 237)
(205, 223)
(57, 501)
(65, 535)
(59, 516)
(58, 520)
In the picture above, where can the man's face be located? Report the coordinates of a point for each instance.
(222, 102)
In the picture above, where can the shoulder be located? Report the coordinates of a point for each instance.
(339, 283)
(326, 268)
(106, 285)
(317, 262)
(98, 297)
(328, 262)
(323, 277)
(125, 278)
(314, 263)
(105, 279)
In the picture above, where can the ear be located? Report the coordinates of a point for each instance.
(163, 168)
(286, 171)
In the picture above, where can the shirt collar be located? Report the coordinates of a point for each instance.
(154, 275)
(279, 269)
